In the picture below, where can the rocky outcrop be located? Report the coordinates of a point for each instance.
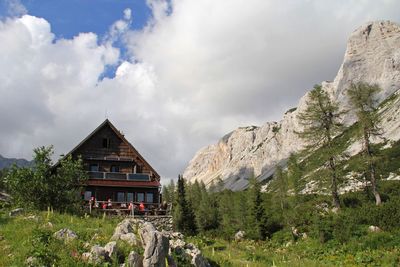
(239, 236)
(134, 260)
(65, 235)
(156, 246)
(187, 250)
(16, 212)
(372, 56)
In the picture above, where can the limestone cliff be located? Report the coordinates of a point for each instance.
(372, 56)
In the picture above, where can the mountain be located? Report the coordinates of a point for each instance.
(8, 162)
(372, 56)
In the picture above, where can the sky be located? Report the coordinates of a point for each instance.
(173, 76)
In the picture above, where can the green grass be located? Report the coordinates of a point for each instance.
(23, 237)
(309, 252)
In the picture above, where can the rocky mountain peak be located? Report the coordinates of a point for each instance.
(372, 56)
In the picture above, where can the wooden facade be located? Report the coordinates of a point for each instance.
(115, 168)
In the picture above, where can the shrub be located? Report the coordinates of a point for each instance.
(42, 250)
(43, 186)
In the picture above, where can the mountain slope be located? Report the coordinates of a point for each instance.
(372, 56)
(8, 162)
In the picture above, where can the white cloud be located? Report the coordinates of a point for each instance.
(198, 70)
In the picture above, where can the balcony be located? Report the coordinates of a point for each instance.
(119, 176)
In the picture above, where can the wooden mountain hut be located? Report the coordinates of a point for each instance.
(116, 170)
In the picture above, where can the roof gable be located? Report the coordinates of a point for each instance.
(119, 135)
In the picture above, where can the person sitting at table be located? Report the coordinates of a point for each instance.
(109, 204)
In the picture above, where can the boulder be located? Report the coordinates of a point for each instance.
(65, 234)
(111, 249)
(177, 244)
(374, 229)
(199, 261)
(16, 212)
(31, 261)
(97, 255)
(171, 261)
(130, 238)
(155, 244)
(124, 227)
(239, 235)
(134, 260)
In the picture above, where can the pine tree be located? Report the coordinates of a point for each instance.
(321, 123)
(362, 98)
(168, 192)
(184, 218)
(207, 215)
(257, 210)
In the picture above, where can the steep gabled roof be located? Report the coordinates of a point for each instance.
(121, 136)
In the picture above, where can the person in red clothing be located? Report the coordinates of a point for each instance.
(141, 206)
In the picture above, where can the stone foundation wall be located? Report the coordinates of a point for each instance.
(159, 222)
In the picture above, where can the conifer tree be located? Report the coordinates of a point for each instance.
(184, 218)
(257, 210)
(294, 174)
(281, 180)
(207, 215)
(168, 192)
(362, 98)
(321, 123)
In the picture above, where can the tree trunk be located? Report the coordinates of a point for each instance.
(372, 171)
(378, 200)
(335, 195)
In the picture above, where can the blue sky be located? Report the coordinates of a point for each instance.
(71, 17)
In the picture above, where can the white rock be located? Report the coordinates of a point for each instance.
(16, 212)
(239, 235)
(130, 238)
(134, 260)
(111, 249)
(65, 234)
(374, 229)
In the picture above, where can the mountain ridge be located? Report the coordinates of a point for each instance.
(372, 56)
(8, 162)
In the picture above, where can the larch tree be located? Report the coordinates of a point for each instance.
(294, 173)
(363, 99)
(321, 124)
(282, 183)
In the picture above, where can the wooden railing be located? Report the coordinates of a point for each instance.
(119, 176)
(124, 207)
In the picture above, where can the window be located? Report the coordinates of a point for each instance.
(129, 197)
(149, 197)
(88, 195)
(106, 142)
(114, 168)
(94, 167)
(121, 197)
(140, 197)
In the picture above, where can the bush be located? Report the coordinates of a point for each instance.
(43, 186)
(386, 216)
(41, 251)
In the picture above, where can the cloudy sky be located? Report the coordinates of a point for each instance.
(174, 76)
